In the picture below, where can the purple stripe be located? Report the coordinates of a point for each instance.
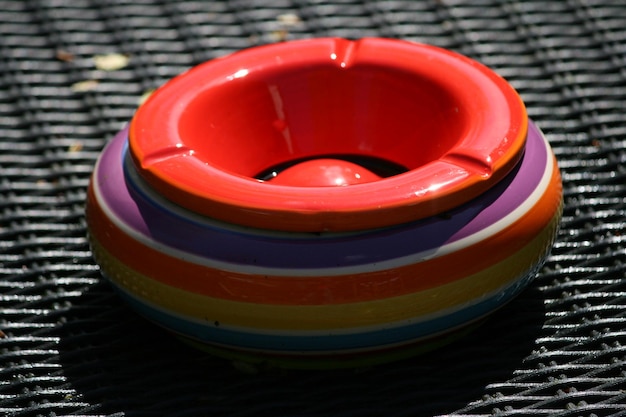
(154, 220)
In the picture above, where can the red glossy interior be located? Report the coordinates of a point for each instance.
(270, 117)
(202, 139)
(324, 172)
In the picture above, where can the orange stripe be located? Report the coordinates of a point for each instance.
(291, 290)
(418, 306)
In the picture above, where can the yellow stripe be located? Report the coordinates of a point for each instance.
(332, 316)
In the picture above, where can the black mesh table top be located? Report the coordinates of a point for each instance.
(73, 72)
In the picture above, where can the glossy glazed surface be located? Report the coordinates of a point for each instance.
(325, 201)
(163, 235)
(302, 295)
(454, 124)
(324, 172)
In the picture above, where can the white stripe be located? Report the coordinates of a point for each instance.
(443, 250)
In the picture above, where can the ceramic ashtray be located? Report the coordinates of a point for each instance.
(325, 203)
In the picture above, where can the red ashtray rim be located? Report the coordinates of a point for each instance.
(191, 140)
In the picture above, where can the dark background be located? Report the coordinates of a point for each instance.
(71, 347)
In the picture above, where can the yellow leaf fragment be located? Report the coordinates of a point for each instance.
(75, 147)
(288, 19)
(85, 85)
(142, 99)
(279, 35)
(111, 62)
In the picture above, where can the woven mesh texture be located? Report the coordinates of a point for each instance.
(70, 346)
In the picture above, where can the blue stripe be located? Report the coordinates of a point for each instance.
(210, 333)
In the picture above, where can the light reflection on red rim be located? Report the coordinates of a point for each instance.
(457, 126)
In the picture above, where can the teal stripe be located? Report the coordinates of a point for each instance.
(211, 333)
